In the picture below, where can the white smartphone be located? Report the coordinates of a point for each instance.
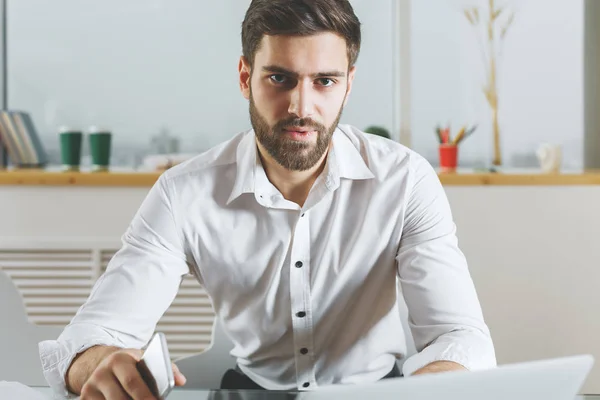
(155, 366)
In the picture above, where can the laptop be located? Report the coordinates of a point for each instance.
(554, 379)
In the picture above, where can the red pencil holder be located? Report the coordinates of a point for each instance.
(448, 157)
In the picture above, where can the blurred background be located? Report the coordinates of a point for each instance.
(161, 76)
(156, 69)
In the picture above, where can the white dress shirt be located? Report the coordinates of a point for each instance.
(307, 294)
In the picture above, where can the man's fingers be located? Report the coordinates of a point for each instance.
(179, 377)
(131, 381)
(89, 392)
(135, 353)
(111, 389)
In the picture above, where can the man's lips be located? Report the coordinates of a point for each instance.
(299, 129)
(300, 133)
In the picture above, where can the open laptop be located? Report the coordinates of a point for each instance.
(555, 379)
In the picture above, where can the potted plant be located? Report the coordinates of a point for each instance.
(379, 131)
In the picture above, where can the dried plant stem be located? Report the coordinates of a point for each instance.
(492, 86)
(494, 46)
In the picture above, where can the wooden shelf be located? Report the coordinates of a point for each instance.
(147, 179)
(500, 179)
(45, 178)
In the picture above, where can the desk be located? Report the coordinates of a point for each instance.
(202, 394)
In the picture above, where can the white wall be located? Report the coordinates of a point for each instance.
(139, 65)
(541, 79)
(533, 255)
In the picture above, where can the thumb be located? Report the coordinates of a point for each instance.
(179, 377)
(135, 353)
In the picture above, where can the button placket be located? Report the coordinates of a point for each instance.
(300, 303)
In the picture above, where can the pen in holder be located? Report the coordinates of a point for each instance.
(448, 157)
(448, 147)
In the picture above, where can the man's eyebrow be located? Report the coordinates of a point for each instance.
(328, 74)
(280, 70)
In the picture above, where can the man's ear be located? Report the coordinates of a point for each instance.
(350, 81)
(245, 72)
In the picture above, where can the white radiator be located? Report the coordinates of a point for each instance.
(55, 278)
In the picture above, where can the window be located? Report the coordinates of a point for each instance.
(540, 80)
(143, 67)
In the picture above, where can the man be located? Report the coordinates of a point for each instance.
(299, 230)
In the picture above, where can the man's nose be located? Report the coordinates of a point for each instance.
(301, 100)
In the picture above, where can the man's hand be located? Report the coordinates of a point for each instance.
(440, 366)
(111, 373)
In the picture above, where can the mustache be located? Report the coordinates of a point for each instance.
(307, 123)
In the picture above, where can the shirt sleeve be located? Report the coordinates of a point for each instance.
(445, 316)
(126, 302)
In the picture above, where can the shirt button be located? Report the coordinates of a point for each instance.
(303, 350)
(299, 264)
(301, 314)
(306, 384)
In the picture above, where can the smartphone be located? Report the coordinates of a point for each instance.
(155, 366)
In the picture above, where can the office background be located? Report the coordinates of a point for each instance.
(140, 68)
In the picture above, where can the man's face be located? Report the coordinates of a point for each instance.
(297, 88)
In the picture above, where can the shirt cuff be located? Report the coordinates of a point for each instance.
(449, 351)
(56, 355)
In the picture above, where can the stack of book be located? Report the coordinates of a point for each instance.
(3, 155)
(21, 141)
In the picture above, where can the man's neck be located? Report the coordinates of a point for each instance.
(293, 185)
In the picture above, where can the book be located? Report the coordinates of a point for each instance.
(8, 133)
(23, 145)
(32, 141)
(3, 155)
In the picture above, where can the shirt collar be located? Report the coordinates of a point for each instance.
(246, 160)
(343, 161)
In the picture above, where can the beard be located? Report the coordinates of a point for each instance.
(291, 154)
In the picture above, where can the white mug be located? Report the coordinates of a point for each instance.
(550, 157)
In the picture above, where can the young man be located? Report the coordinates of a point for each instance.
(299, 230)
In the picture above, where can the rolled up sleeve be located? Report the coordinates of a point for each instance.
(126, 302)
(445, 315)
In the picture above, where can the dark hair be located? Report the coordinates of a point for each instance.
(300, 18)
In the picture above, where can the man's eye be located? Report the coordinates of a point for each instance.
(325, 82)
(278, 78)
